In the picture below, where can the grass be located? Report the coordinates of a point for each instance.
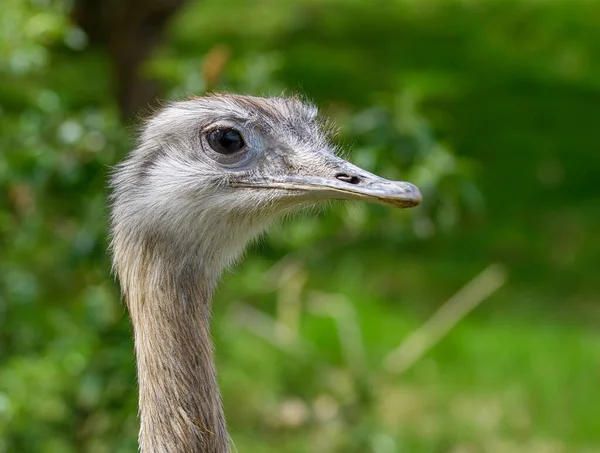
(504, 384)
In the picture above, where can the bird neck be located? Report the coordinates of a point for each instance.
(179, 398)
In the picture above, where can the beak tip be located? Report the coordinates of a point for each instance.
(418, 198)
(412, 196)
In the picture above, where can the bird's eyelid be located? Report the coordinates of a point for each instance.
(220, 123)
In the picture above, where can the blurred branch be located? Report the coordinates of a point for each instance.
(214, 64)
(130, 30)
(264, 326)
(341, 311)
(443, 320)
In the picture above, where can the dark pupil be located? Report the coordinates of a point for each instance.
(225, 141)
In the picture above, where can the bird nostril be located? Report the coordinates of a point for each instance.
(347, 178)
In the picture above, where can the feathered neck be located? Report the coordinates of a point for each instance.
(179, 399)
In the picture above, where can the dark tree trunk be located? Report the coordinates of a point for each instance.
(129, 30)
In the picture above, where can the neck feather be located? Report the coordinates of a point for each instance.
(180, 403)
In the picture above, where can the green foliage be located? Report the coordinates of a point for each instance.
(490, 107)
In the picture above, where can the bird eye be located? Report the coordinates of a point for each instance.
(225, 141)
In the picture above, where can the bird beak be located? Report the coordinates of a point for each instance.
(341, 180)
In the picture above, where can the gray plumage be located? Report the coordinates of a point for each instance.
(208, 175)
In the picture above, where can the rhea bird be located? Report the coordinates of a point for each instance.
(208, 175)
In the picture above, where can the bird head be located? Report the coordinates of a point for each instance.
(211, 173)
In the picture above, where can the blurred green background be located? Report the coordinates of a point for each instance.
(492, 107)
